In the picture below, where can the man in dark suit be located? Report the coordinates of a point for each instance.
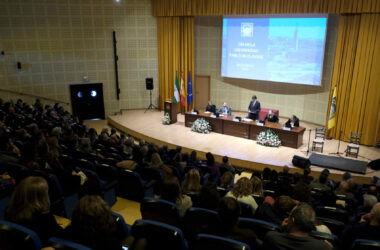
(271, 117)
(225, 109)
(254, 109)
(210, 107)
(293, 122)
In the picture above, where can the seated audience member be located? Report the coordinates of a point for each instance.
(192, 181)
(306, 178)
(285, 175)
(225, 109)
(215, 172)
(94, 225)
(322, 182)
(368, 228)
(296, 235)
(228, 213)
(171, 191)
(104, 136)
(293, 122)
(257, 186)
(209, 196)
(271, 117)
(242, 191)
(30, 207)
(226, 181)
(280, 210)
(302, 192)
(227, 165)
(211, 107)
(344, 189)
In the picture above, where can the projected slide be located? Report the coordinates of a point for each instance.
(274, 49)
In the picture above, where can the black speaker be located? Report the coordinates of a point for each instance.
(19, 65)
(375, 165)
(149, 83)
(301, 162)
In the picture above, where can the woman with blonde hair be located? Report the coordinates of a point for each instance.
(242, 191)
(192, 181)
(30, 207)
(257, 186)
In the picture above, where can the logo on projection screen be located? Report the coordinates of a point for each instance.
(246, 30)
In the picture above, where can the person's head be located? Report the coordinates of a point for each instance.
(302, 192)
(209, 196)
(31, 195)
(283, 205)
(92, 216)
(209, 103)
(104, 130)
(228, 212)
(170, 189)
(243, 187)
(369, 200)
(374, 215)
(254, 98)
(192, 181)
(285, 169)
(323, 177)
(266, 173)
(257, 186)
(346, 176)
(193, 155)
(306, 171)
(226, 179)
(294, 118)
(224, 104)
(113, 131)
(273, 176)
(225, 159)
(372, 190)
(210, 159)
(301, 219)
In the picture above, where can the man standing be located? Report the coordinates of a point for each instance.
(254, 109)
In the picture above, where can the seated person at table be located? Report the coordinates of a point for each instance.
(225, 109)
(254, 109)
(293, 122)
(211, 107)
(271, 117)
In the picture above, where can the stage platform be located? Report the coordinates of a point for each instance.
(243, 153)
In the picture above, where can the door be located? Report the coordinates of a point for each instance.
(202, 91)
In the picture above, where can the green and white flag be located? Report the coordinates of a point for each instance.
(176, 93)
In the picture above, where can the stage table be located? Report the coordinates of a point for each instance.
(247, 129)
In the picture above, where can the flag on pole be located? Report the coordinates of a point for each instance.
(331, 122)
(182, 92)
(176, 94)
(189, 90)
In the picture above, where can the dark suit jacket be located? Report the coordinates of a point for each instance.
(222, 109)
(211, 108)
(273, 119)
(254, 107)
(296, 122)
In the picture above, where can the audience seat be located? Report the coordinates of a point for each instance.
(159, 235)
(333, 213)
(362, 244)
(199, 220)
(333, 239)
(335, 226)
(62, 244)
(126, 229)
(246, 210)
(208, 241)
(132, 187)
(160, 210)
(14, 236)
(260, 227)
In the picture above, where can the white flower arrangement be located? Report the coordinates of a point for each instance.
(201, 126)
(166, 119)
(268, 138)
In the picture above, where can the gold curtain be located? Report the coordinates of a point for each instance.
(175, 37)
(240, 7)
(357, 78)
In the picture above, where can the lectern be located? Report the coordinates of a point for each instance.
(171, 108)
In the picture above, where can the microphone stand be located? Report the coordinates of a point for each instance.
(308, 144)
(337, 152)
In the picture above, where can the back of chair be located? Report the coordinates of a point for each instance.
(160, 210)
(159, 235)
(130, 185)
(62, 244)
(333, 213)
(199, 220)
(14, 236)
(260, 227)
(320, 133)
(208, 241)
(333, 239)
(335, 226)
(123, 227)
(246, 210)
(362, 244)
(355, 138)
